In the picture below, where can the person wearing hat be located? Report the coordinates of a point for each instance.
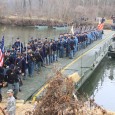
(30, 60)
(10, 108)
(76, 44)
(12, 79)
(18, 45)
(7, 58)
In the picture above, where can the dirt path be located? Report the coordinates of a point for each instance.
(20, 108)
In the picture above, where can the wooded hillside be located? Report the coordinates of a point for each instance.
(65, 10)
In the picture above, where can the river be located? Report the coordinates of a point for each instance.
(101, 85)
(25, 33)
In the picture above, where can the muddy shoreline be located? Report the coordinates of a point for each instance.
(27, 21)
(33, 21)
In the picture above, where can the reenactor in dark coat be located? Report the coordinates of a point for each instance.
(13, 79)
(8, 60)
(30, 60)
(18, 45)
(38, 60)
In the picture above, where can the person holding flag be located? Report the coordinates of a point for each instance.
(2, 52)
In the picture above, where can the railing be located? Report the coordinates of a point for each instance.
(85, 72)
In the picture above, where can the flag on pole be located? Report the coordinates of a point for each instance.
(2, 52)
(72, 30)
(100, 26)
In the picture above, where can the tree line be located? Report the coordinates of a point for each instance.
(66, 10)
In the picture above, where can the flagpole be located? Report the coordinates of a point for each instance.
(2, 52)
(12, 40)
(26, 53)
(20, 47)
(72, 30)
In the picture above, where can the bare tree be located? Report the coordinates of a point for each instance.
(65, 10)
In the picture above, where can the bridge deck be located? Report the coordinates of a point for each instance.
(83, 59)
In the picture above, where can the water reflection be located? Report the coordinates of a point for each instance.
(111, 74)
(25, 33)
(101, 85)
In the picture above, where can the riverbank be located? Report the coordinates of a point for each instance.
(33, 21)
(30, 21)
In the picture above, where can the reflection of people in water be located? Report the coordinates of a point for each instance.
(111, 73)
(110, 48)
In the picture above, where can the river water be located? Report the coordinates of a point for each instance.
(101, 85)
(25, 33)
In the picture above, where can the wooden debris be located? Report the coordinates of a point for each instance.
(59, 100)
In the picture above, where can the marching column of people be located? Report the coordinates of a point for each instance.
(21, 61)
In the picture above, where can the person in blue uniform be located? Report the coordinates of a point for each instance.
(72, 45)
(18, 45)
(61, 48)
(30, 64)
(54, 49)
(76, 44)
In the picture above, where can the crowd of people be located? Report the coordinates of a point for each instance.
(21, 61)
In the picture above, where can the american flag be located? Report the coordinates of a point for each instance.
(2, 52)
